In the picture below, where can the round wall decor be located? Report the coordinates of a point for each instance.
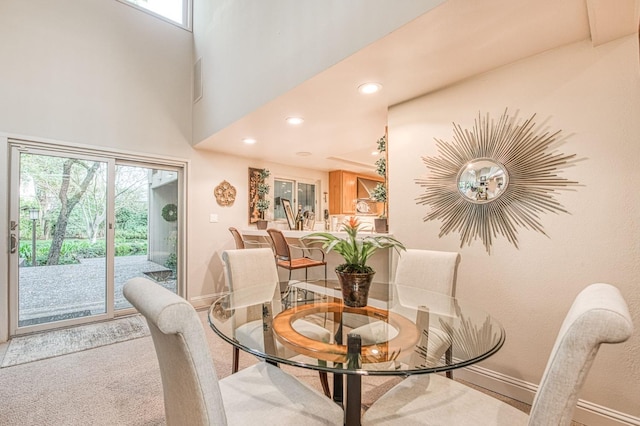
(225, 193)
(170, 212)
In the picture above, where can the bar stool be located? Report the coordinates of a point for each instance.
(285, 260)
(241, 243)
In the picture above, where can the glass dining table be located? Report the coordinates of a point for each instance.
(403, 330)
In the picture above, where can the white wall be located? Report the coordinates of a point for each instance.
(254, 51)
(95, 72)
(593, 96)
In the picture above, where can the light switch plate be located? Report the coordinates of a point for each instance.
(213, 218)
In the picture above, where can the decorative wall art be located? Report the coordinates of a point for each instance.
(225, 194)
(494, 178)
(258, 192)
(254, 180)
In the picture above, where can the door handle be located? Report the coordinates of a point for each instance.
(14, 243)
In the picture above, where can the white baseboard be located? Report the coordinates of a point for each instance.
(203, 302)
(587, 413)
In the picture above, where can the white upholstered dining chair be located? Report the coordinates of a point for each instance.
(193, 395)
(428, 269)
(425, 269)
(598, 315)
(255, 270)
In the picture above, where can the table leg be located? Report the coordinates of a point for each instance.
(337, 378)
(337, 389)
(354, 382)
(269, 338)
(267, 327)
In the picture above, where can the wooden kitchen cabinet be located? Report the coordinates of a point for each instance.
(343, 191)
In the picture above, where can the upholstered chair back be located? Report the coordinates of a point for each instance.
(251, 274)
(599, 314)
(432, 270)
(189, 381)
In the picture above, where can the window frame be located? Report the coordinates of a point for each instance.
(187, 14)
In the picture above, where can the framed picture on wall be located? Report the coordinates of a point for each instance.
(254, 180)
(288, 212)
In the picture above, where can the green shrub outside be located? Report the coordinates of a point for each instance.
(73, 250)
(131, 248)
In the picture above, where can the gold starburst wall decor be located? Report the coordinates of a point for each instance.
(494, 178)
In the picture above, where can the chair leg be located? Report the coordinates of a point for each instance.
(448, 355)
(325, 383)
(236, 360)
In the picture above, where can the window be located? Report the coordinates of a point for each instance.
(305, 196)
(174, 11)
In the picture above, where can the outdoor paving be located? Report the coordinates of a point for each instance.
(67, 291)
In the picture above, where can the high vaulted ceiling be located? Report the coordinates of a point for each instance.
(456, 40)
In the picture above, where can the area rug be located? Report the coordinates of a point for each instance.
(61, 342)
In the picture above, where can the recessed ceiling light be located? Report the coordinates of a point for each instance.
(294, 121)
(303, 154)
(369, 88)
(249, 141)
(375, 153)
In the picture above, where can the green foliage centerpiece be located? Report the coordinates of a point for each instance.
(355, 275)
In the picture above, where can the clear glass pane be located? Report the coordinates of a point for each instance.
(146, 228)
(62, 266)
(282, 189)
(307, 197)
(170, 9)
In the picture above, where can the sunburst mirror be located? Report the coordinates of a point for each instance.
(494, 178)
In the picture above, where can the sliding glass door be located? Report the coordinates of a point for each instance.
(81, 225)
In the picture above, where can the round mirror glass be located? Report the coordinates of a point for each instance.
(482, 180)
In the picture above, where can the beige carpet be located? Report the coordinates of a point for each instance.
(118, 384)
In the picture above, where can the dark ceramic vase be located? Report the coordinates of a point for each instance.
(355, 288)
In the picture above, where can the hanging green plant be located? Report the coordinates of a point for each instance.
(170, 212)
(381, 167)
(379, 193)
(263, 189)
(382, 144)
